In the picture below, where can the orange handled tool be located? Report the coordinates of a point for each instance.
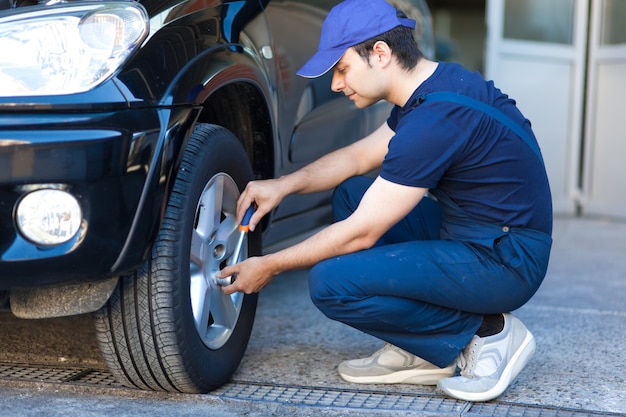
(245, 222)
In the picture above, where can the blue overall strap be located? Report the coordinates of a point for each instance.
(487, 109)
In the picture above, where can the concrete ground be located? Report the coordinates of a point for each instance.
(577, 318)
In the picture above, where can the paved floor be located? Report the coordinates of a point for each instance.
(577, 317)
(289, 368)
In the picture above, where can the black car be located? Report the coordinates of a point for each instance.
(127, 131)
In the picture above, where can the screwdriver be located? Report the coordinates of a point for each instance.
(244, 227)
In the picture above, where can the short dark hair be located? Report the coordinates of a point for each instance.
(402, 42)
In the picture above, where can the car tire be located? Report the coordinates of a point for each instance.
(168, 326)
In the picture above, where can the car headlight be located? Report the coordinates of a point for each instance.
(48, 217)
(68, 48)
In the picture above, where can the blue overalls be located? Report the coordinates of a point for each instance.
(427, 283)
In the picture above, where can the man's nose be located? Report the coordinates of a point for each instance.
(337, 83)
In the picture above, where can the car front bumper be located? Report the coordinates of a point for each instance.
(115, 164)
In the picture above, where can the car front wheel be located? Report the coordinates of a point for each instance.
(168, 326)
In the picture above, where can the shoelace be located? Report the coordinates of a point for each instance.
(467, 359)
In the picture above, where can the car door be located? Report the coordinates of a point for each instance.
(314, 120)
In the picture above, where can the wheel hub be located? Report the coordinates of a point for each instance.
(213, 240)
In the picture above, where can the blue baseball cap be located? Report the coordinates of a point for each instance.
(348, 24)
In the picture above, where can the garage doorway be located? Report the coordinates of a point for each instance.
(563, 61)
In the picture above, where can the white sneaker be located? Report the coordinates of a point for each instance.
(489, 364)
(392, 365)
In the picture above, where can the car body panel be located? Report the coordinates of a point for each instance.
(118, 146)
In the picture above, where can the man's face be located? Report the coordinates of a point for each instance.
(358, 80)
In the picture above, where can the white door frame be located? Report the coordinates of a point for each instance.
(604, 188)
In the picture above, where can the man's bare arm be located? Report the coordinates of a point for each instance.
(323, 174)
(383, 205)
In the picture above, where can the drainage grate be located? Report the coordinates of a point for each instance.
(321, 397)
(44, 373)
(376, 400)
(310, 396)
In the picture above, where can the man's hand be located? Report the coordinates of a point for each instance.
(265, 195)
(252, 276)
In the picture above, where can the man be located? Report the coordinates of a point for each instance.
(434, 277)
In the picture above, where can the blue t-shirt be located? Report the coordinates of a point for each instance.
(485, 168)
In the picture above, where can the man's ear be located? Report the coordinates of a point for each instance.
(381, 53)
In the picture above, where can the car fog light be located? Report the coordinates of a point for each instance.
(48, 217)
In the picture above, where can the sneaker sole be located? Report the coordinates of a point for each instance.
(516, 364)
(421, 377)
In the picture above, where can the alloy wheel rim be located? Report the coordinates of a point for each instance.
(214, 236)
